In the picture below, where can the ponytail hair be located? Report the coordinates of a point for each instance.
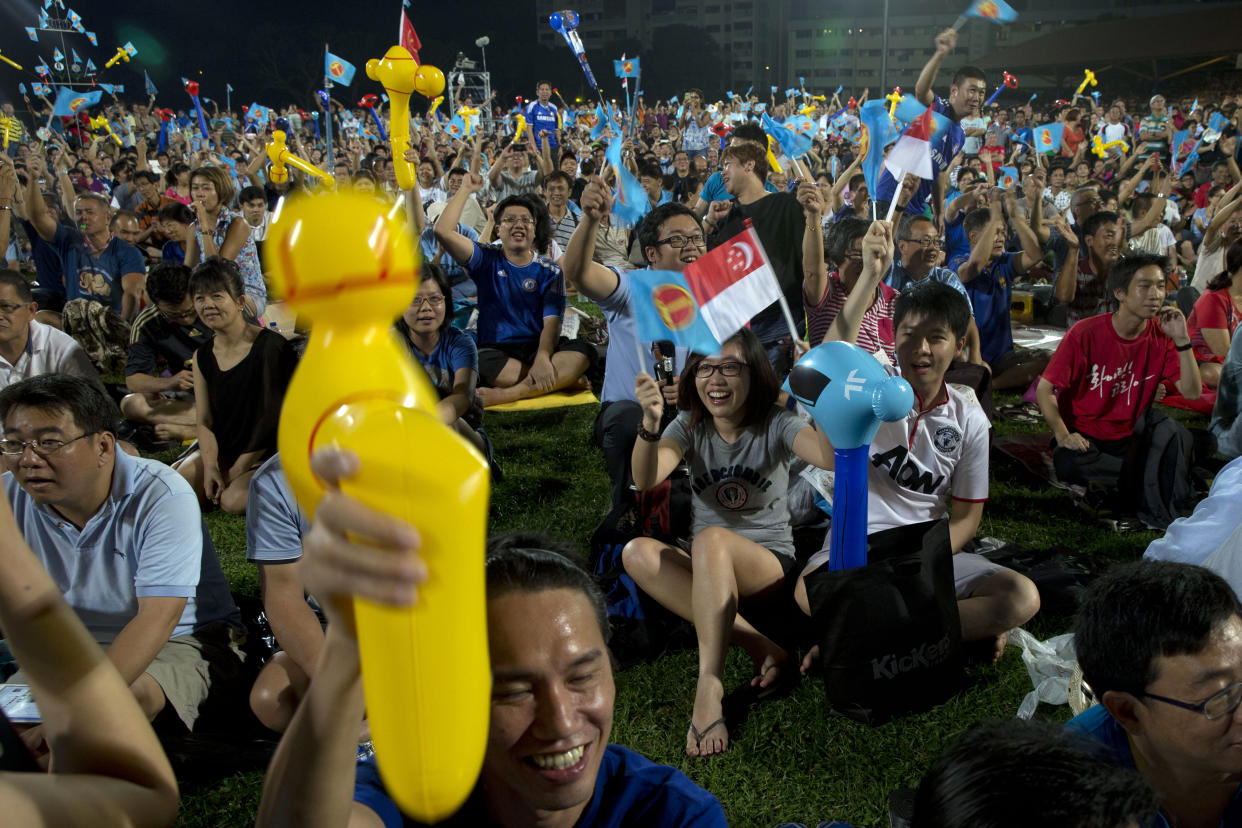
(1233, 263)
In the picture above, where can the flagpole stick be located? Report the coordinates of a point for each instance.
(899, 177)
(327, 111)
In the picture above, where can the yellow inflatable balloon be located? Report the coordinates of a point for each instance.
(349, 264)
(278, 153)
(428, 81)
(397, 73)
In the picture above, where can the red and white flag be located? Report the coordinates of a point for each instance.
(732, 283)
(912, 152)
(409, 38)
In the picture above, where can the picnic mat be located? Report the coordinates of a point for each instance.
(1040, 337)
(1034, 452)
(557, 399)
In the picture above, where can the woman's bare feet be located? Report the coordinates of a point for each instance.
(707, 735)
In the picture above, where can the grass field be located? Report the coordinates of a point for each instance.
(789, 759)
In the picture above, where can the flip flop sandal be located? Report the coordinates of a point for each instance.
(699, 735)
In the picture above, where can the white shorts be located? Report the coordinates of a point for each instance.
(968, 570)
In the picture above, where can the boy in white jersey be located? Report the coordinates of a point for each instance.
(937, 453)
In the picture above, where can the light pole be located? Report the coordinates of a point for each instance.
(884, 51)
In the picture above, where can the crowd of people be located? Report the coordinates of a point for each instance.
(135, 315)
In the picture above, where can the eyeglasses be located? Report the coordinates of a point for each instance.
(173, 316)
(43, 448)
(433, 301)
(854, 256)
(677, 241)
(1215, 706)
(727, 369)
(517, 220)
(8, 308)
(929, 241)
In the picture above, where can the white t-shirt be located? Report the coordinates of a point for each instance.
(1154, 240)
(917, 462)
(48, 351)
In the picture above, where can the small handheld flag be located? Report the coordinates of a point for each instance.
(338, 70)
(626, 68)
(1048, 137)
(151, 90)
(664, 308)
(70, 101)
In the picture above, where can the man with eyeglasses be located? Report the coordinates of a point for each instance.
(521, 300)
(920, 249)
(1160, 646)
(29, 348)
(124, 539)
(671, 238)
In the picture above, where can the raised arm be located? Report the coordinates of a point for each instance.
(455, 244)
(1032, 252)
(652, 460)
(1067, 280)
(946, 41)
(36, 209)
(591, 279)
(981, 253)
(814, 274)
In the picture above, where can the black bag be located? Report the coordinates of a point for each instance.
(1166, 492)
(889, 636)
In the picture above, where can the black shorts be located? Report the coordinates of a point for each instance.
(492, 357)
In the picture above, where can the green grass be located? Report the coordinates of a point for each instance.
(790, 759)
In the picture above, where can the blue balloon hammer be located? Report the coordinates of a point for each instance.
(848, 394)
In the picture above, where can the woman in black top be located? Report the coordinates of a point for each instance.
(240, 379)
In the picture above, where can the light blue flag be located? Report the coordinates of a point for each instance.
(338, 69)
(994, 11)
(1180, 139)
(92, 38)
(604, 117)
(631, 202)
(1007, 178)
(90, 67)
(626, 67)
(876, 130)
(793, 143)
(70, 102)
(664, 308)
(909, 108)
(1048, 137)
(32, 33)
(151, 90)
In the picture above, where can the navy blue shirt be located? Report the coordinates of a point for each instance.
(514, 300)
(48, 266)
(990, 294)
(95, 277)
(629, 791)
(943, 150)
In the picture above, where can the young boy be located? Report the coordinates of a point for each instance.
(1097, 392)
(939, 451)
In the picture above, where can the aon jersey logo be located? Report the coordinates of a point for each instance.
(907, 470)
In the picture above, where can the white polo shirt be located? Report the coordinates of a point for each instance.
(48, 351)
(148, 539)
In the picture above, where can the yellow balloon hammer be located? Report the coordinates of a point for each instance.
(349, 264)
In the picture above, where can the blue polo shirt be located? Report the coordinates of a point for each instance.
(95, 277)
(991, 293)
(943, 150)
(514, 300)
(630, 790)
(274, 523)
(539, 117)
(1097, 724)
(148, 540)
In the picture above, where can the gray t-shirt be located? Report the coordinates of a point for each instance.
(742, 487)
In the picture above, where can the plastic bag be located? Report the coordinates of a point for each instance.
(1049, 663)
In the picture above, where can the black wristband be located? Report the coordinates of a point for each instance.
(647, 436)
(1185, 347)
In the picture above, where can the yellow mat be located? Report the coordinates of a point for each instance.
(556, 399)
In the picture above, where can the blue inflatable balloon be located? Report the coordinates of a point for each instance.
(556, 21)
(848, 394)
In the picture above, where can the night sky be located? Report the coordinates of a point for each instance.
(272, 51)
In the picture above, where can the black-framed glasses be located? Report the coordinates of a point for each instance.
(43, 448)
(727, 369)
(677, 241)
(930, 241)
(1220, 703)
(517, 220)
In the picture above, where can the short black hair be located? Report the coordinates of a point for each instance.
(1141, 204)
(557, 175)
(168, 283)
(91, 408)
(976, 219)
(906, 225)
(840, 238)
(1121, 274)
(18, 282)
(968, 72)
(934, 301)
(649, 169)
(649, 230)
(217, 273)
(537, 210)
(764, 385)
(435, 273)
(1138, 611)
(176, 211)
(750, 131)
(1020, 773)
(1098, 219)
(531, 562)
(146, 175)
(250, 193)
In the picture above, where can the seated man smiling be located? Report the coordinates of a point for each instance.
(548, 761)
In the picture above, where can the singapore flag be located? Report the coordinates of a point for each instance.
(732, 283)
(912, 152)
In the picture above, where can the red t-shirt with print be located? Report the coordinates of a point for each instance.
(1104, 383)
(1214, 309)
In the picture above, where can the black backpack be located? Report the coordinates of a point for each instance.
(889, 635)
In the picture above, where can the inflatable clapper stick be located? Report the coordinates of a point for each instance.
(349, 264)
(278, 153)
(848, 394)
